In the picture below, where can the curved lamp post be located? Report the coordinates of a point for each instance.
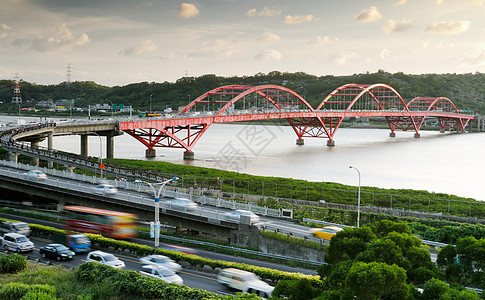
(156, 194)
(358, 197)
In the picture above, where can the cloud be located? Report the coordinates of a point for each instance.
(58, 39)
(450, 27)
(396, 26)
(4, 29)
(479, 2)
(141, 48)
(341, 58)
(187, 10)
(219, 48)
(267, 55)
(265, 12)
(400, 2)
(322, 40)
(368, 15)
(268, 37)
(475, 60)
(298, 19)
(385, 54)
(438, 2)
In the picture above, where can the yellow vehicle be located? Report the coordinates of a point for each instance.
(326, 232)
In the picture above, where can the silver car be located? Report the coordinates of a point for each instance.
(235, 215)
(161, 261)
(182, 204)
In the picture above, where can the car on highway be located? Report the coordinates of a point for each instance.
(105, 259)
(235, 278)
(161, 273)
(36, 174)
(56, 251)
(17, 242)
(235, 216)
(326, 232)
(105, 189)
(182, 204)
(161, 261)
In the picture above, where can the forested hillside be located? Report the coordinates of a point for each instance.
(465, 90)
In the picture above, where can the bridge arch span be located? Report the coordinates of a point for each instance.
(215, 91)
(439, 105)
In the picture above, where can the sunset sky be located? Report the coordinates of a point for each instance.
(117, 42)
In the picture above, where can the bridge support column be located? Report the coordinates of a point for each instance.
(189, 155)
(417, 135)
(300, 142)
(442, 130)
(150, 152)
(50, 163)
(110, 145)
(330, 143)
(70, 169)
(392, 134)
(34, 145)
(13, 156)
(84, 145)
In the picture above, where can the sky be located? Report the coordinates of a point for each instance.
(118, 42)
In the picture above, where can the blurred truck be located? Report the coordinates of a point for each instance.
(78, 242)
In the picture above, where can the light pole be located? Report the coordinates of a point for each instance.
(157, 202)
(111, 108)
(100, 153)
(358, 197)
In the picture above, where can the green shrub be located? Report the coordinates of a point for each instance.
(12, 263)
(17, 290)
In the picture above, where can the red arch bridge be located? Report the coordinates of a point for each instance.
(239, 103)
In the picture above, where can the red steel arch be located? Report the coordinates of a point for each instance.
(438, 105)
(365, 97)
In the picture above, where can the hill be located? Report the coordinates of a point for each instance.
(465, 90)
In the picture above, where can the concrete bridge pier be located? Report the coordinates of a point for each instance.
(150, 152)
(300, 142)
(392, 134)
(330, 143)
(84, 145)
(110, 145)
(50, 163)
(417, 135)
(189, 155)
(13, 156)
(34, 145)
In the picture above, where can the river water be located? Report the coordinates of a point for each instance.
(443, 163)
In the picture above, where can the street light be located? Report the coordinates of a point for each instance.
(100, 153)
(111, 107)
(157, 202)
(358, 197)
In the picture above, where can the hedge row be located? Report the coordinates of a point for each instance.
(195, 261)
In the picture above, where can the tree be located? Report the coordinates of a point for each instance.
(348, 243)
(377, 281)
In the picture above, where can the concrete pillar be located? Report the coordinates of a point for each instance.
(110, 145)
(34, 145)
(442, 130)
(50, 136)
(330, 143)
(84, 145)
(300, 142)
(70, 169)
(150, 152)
(60, 205)
(189, 155)
(13, 156)
(392, 134)
(417, 135)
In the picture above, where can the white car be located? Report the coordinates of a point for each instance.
(182, 203)
(105, 188)
(161, 273)
(36, 174)
(235, 215)
(105, 259)
(17, 242)
(161, 261)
